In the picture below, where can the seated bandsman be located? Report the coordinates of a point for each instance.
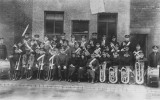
(93, 68)
(138, 53)
(154, 58)
(83, 41)
(62, 62)
(82, 61)
(88, 51)
(91, 44)
(72, 65)
(67, 49)
(127, 58)
(105, 59)
(54, 42)
(127, 43)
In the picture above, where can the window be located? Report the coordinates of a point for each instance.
(80, 27)
(54, 22)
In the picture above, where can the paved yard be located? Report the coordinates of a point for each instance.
(40, 90)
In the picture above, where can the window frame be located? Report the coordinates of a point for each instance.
(54, 21)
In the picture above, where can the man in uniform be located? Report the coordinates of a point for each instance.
(93, 68)
(94, 38)
(3, 49)
(127, 43)
(62, 62)
(154, 58)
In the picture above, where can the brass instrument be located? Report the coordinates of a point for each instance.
(125, 72)
(51, 65)
(78, 51)
(139, 72)
(102, 77)
(113, 74)
(17, 68)
(29, 66)
(86, 51)
(90, 64)
(98, 52)
(41, 65)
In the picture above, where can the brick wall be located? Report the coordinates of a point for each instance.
(145, 19)
(80, 10)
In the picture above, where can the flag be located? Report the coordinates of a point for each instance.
(97, 6)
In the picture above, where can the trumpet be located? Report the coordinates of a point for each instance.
(125, 75)
(139, 72)
(113, 74)
(102, 76)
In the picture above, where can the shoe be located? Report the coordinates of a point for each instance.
(78, 81)
(92, 82)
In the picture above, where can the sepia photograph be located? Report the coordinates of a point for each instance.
(79, 49)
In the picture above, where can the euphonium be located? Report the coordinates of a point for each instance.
(113, 74)
(102, 77)
(139, 72)
(125, 75)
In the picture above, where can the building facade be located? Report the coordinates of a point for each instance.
(140, 18)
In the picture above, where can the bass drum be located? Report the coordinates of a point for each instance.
(153, 76)
(4, 69)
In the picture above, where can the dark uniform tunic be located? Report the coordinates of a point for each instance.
(154, 59)
(3, 52)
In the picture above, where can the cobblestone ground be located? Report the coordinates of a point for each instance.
(47, 90)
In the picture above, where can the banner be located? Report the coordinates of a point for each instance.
(97, 6)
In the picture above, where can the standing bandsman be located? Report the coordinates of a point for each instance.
(72, 41)
(77, 49)
(62, 62)
(154, 58)
(97, 51)
(62, 39)
(54, 42)
(3, 49)
(103, 42)
(127, 43)
(93, 68)
(83, 42)
(94, 38)
(138, 53)
(113, 44)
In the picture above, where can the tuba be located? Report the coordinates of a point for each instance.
(139, 72)
(102, 76)
(113, 74)
(125, 75)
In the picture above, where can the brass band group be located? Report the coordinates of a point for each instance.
(92, 60)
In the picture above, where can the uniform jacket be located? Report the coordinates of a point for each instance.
(154, 60)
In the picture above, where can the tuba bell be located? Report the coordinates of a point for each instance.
(113, 74)
(102, 76)
(139, 72)
(125, 75)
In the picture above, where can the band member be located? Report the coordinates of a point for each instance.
(73, 41)
(127, 43)
(93, 68)
(97, 51)
(62, 62)
(72, 65)
(154, 58)
(67, 48)
(82, 61)
(77, 49)
(3, 49)
(94, 38)
(15, 61)
(88, 51)
(41, 61)
(138, 53)
(91, 44)
(113, 44)
(106, 58)
(62, 39)
(103, 42)
(54, 42)
(83, 41)
(115, 61)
